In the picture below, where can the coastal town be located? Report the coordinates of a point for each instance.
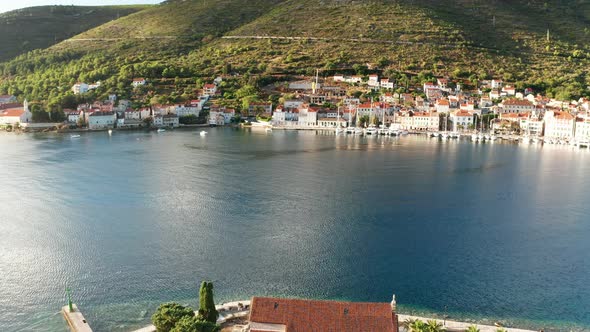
(359, 105)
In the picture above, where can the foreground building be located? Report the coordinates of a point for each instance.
(295, 315)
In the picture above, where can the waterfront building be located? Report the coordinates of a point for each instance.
(262, 108)
(300, 315)
(331, 122)
(101, 120)
(308, 116)
(462, 120)
(559, 124)
(582, 131)
(170, 120)
(517, 106)
(14, 113)
(421, 121)
(74, 115)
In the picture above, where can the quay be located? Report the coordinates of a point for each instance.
(75, 319)
(458, 326)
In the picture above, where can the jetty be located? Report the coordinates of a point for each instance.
(75, 319)
(450, 325)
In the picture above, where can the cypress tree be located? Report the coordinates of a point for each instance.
(207, 311)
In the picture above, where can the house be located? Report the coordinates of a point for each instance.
(559, 124)
(80, 88)
(138, 82)
(7, 99)
(74, 115)
(509, 90)
(185, 110)
(255, 108)
(303, 85)
(279, 116)
(101, 120)
(421, 121)
(300, 315)
(386, 83)
(582, 131)
(331, 122)
(442, 106)
(219, 116)
(291, 104)
(373, 81)
(442, 83)
(11, 114)
(170, 120)
(496, 84)
(429, 85)
(462, 120)
(308, 116)
(209, 89)
(514, 105)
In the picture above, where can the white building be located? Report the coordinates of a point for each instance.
(462, 120)
(13, 115)
(185, 110)
(517, 106)
(442, 106)
(421, 121)
(170, 120)
(582, 132)
(101, 120)
(373, 81)
(138, 82)
(559, 124)
(75, 116)
(80, 88)
(308, 117)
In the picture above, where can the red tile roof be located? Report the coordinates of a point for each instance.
(12, 112)
(313, 315)
(518, 102)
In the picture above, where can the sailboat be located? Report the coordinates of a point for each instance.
(338, 128)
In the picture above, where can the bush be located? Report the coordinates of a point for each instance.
(169, 314)
(192, 324)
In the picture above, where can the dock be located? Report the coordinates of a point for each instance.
(75, 319)
(450, 325)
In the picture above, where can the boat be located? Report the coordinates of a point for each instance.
(110, 132)
(455, 134)
(536, 140)
(203, 133)
(371, 130)
(358, 131)
(493, 137)
(74, 136)
(434, 134)
(161, 130)
(268, 129)
(445, 135)
(474, 137)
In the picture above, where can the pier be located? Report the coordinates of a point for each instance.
(450, 325)
(75, 319)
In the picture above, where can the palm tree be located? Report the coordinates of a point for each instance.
(406, 324)
(418, 326)
(473, 328)
(434, 326)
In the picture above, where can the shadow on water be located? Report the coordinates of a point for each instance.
(480, 169)
(260, 154)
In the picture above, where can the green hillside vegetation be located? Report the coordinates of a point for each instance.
(180, 44)
(32, 28)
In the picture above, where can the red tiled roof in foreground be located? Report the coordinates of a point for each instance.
(318, 316)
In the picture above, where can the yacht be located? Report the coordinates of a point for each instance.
(474, 137)
(74, 136)
(455, 134)
(203, 133)
(371, 130)
(358, 131)
(110, 132)
(161, 130)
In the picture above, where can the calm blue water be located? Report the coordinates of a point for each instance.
(480, 231)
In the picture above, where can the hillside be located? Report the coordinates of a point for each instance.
(191, 40)
(32, 28)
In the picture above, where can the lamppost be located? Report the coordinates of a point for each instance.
(445, 317)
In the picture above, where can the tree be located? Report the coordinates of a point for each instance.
(193, 324)
(417, 326)
(207, 311)
(168, 314)
(472, 328)
(434, 326)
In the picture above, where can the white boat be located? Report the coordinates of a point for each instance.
(161, 130)
(358, 131)
(434, 134)
(474, 137)
(480, 137)
(350, 130)
(74, 136)
(404, 132)
(455, 134)
(203, 133)
(339, 130)
(445, 135)
(493, 138)
(371, 130)
(110, 132)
